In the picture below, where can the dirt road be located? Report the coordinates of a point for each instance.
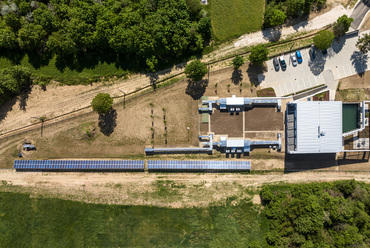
(170, 190)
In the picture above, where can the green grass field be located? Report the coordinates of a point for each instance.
(234, 18)
(45, 222)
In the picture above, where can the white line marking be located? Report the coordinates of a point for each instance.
(344, 71)
(309, 79)
(287, 91)
(304, 83)
(281, 92)
(292, 86)
(350, 71)
(315, 79)
(338, 72)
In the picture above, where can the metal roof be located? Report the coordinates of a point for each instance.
(319, 127)
(234, 100)
(235, 143)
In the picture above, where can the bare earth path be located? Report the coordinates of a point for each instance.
(57, 100)
(142, 188)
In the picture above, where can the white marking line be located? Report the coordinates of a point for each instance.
(350, 71)
(315, 79)
(281, 92)
(287, 91)
(304, 83)
(292, 86)
(338, 72)
(344, 71)
(309, 79)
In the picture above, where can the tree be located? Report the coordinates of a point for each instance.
(102, 103)
(274, 16)
(323, 39)
(31, 36)
(61, 43)
(363, 44)
(7, 38)
(259, 54)
(196, 70)
(238, 61)
(342, 25)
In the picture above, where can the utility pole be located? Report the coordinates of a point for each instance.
(42, 119)
(188, 128)
(124, 98)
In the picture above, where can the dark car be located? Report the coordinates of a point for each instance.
(299, 56)
(276, 64)
(282, 63)
(312, 53)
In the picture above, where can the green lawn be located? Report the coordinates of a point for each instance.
(44, 222)
(234, 18)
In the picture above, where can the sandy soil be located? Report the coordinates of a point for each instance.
(223, 123)
(142, 189)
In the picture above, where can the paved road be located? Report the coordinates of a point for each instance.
(359, 13)
(342, 60)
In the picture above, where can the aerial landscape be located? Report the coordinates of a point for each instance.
(184, 123)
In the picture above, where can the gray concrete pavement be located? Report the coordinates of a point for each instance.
(343, 60)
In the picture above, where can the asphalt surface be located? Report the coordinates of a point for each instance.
(342, 60)
(359, 13)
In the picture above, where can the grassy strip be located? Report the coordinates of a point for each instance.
(231, 19)
(38, 222)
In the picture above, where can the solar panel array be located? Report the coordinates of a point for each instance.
(201, 165)
(79, 165)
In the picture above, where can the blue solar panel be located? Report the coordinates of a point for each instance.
(203, 165)
(85, 165)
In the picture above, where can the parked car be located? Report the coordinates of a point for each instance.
(276, 64)
(299, 56)
(294, 59)
(282, 63)
(312, 53)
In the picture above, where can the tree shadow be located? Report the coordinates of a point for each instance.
(107, 122)
(317, 65)
(359, 61)
(7, 107)
(237, 76)
(338, 44)
(23, 97)
(196, 89)
(254, 72)
(271, 34)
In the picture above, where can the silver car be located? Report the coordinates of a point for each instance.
(294, 59)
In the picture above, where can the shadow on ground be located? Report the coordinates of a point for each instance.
(271, 34)
(107, 122)
(7, 107)
(348, 158)
(196, 89)
(338, 44)
(237, 76)
(359, 61)
(303, 162)
(317, 65)
(253, 71)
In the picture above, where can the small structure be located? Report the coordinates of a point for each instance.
(29, 147)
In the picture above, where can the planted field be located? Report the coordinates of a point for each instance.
(234, 18)
(40, 222)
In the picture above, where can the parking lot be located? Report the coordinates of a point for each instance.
(342, 60)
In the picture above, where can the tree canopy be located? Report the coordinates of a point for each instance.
(258, 55)
(323, 39)
(145, 32)
(196, 70)
(318, 214)
(12, 81)
(238, 61)
(102, 103)
(342, 25)
(363, 43)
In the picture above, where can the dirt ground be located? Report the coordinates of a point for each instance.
(125, 133)
(264, 119)
(142, 189)
(225, 123)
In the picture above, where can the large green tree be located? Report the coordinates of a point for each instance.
(273, 16)
(323, 39)
(102, 103)
(342, 25)
(31, 36)
(196, 70)
(258, 55)
(363, 43)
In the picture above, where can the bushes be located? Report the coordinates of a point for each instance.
(12, 81)
(318, 214)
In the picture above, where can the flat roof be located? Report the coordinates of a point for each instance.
(234, 143)
(319, 127)
(234, 100)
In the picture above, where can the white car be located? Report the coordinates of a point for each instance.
(294, 59)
